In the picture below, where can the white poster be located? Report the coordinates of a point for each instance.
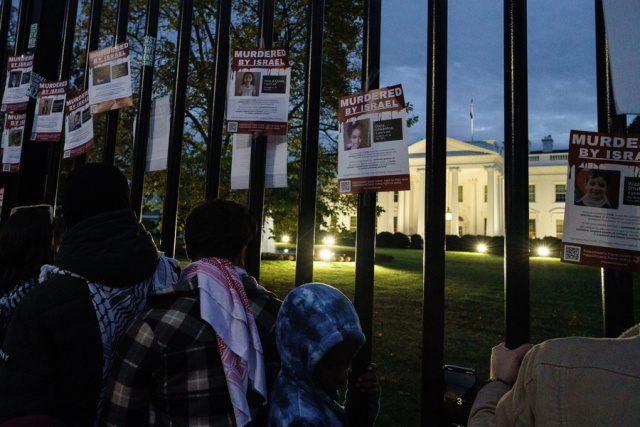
(49, 114)
(110, 78)
(258, 92)
(276, 164)
(15, 97)
(159, 127)
(621, 19)
(78, 127)
(373, 153)
(12, 136)
(602, 214)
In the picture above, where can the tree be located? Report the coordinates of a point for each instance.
(341, 76)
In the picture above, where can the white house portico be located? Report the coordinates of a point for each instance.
(475, 191)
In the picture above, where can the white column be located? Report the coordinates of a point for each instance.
(421, 203)
(401, 212)
(454, 200)
(490, 201)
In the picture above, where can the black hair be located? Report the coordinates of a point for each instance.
(218, 228)
(92, 189)
(594, 173)
(26, 244)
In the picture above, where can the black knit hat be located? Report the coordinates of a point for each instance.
(92, 189)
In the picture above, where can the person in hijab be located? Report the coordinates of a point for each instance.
(59, 344)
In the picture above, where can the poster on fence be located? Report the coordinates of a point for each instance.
(159, 128)
(49, 114)
(275, 175)
(110, 78)
(78, 136)
(12, 136)
(258, 92)
(602, 214)
(372, 144)
(15, 97)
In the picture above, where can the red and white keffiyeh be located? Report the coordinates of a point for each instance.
(225, 306)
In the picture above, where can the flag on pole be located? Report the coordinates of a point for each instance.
(471, 108)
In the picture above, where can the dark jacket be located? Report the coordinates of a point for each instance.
(51, 360)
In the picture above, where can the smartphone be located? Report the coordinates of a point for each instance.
(459, 393)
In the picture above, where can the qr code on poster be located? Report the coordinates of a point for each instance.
(572, 253)
(6, 168)
(232, 126)
(345, 186)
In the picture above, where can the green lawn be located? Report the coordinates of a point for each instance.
(565, 300)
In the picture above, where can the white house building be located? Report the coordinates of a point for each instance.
(475, 191)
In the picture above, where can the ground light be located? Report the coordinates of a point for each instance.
(329, 240)
(325, 255)
(285, 239)
(542, 251)
(482, 248)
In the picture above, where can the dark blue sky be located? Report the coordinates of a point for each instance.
(561, 63)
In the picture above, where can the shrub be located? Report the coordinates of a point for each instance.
(416, 242)
(400, 241)
(384, 240)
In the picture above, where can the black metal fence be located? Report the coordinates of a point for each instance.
(47, 27)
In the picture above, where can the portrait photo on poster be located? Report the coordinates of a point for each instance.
(14, 79)
(356, 134)
(247, 84)
(598, 188)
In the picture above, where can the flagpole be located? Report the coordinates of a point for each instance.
(471, 115)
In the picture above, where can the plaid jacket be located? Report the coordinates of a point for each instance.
(167, 369)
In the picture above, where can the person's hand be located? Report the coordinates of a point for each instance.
(368, 382)
(505, 363)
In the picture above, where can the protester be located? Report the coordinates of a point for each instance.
(59, 343)
(204, 353)
(26, 244)
(572, 381)
(318, 334)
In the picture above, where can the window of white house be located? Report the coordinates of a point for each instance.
(561, 191)
(532, 193)
(486, 194)
(559, 227)
(353, 223)
(532, 228)
(395, 197)
(460, 194)
(395, 224)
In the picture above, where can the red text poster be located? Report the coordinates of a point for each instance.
(49, 115)
(110, 78)
(12, 137)
(602, 208)
(78, 127)
(15, 97)
(258, 92)
(372, 142)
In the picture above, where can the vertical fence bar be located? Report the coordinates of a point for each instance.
(11, 180)
(111, 132)
(617, 285)
(47, 32)
(259, 156)
(516, 242)
(64, 70)
(176, 131)
(5, 19)
(93, 39)
(144, 107)
(310, 141)
(435, 192)
(366, 226)
(216, 121)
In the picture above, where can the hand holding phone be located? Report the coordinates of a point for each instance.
(459, 393)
